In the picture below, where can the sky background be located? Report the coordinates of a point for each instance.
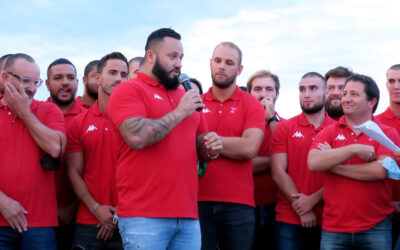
(289, 38)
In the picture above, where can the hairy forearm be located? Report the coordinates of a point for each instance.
(370, 171)
(323, 160)
(75, 164)
(261, 164)
(280, 176)
(243, 148)
(46, 138)
(139, 132)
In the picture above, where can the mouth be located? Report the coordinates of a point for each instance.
(64, 91)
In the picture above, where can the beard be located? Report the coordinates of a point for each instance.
(314, 109)
(93, 93)
(333, 111)
(163, 76)
(223, 84)
(61, 102)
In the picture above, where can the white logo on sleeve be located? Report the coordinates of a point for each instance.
(158, 97)
(340, 137)
(91, 128)
(206, 110)
(298, 134)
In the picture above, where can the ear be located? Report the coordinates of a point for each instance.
(4, 76)
(84, 79)
(97, 76)
(239, 71)
(372, 103)
(48, 84)
(151, 57)
(211, 62)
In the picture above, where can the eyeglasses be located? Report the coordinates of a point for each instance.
(27, 80)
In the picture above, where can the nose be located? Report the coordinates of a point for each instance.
(178, 63)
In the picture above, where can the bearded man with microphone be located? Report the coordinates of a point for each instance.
(163, 139)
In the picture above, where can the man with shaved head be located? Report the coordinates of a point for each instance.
(31, 136)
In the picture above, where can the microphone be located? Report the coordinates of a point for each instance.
(185, 81)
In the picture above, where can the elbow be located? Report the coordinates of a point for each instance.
(381, 174)
(135, 142)
(250, 153)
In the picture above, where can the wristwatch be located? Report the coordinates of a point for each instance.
(273, 118)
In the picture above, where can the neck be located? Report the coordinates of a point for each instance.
(103, 101)
(395, 108)
(352, 121)
(87, 99)
(316, 119)
(149, 71)
(64, 108)
(223, 94)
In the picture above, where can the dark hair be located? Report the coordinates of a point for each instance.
(113, 55)
(89, 67)
(260, 74)
(233, 46)
(136, 59)
(158, 36)
(314, 74)
(198, 84)
(338, 72)
(370, 87)
(393, 67)
(4, 58)
(58, 62)
(11, 60)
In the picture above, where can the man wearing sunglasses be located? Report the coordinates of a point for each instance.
(29, 130)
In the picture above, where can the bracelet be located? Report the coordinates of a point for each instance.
(212, 157)
(273, 118)
(95, 207)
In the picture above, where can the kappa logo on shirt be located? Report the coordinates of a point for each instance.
(340, 137)
(91, 128)
(206, 110)
(233, 109)
(158, 97)
(298, 134)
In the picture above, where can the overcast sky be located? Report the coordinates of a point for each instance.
(288, 38)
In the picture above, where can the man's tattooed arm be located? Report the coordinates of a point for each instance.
(139, 132)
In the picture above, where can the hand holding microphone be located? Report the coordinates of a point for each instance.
(185, 81)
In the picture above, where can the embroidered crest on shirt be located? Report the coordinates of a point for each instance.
(233, 109)
(340, 137)
(206, 110)
(298, 134)
(158, 97)
(91, 128)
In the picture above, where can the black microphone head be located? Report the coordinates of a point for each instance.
(183, 77)
(185, 81)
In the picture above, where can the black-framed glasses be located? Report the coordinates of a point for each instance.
(27, 80)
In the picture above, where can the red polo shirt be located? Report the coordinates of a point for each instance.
(79, 102)
(65, 193)
(265, 189)
(389, 119)
(159, 180)
(350, 205)
(94, 134)
(229, 180)
(22, 177)
(294, 137)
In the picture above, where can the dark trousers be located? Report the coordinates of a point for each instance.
(35, 238)
(228, 225)
(295, 237)
(264, 236)
(85, 238)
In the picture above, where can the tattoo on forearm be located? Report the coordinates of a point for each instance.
(151, 130)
